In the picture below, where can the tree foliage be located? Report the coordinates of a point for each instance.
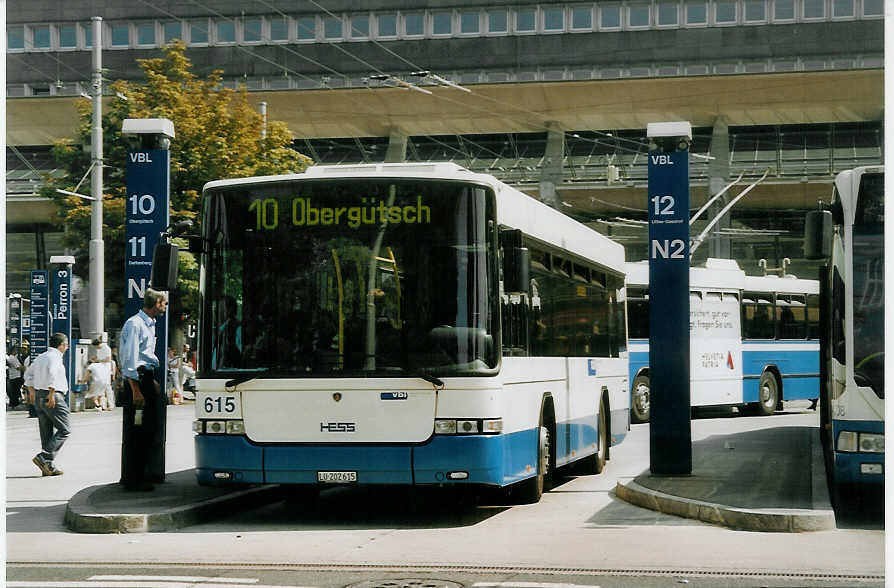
(218, 135)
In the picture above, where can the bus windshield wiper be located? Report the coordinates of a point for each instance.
(433, 380)
(418, 372)
(244, 377)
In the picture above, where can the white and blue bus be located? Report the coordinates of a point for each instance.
(753, 339)
(850, 237)
(410, 324)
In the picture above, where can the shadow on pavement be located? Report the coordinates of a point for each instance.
(35, 519)
(362, 507)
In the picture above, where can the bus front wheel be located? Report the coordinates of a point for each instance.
(768, 391)
(532, 489)
(640, 399)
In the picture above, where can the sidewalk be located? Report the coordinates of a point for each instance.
(766, 480)
(177, 502)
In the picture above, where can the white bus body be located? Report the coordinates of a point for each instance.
(343, 414)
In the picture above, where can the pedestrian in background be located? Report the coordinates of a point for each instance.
(187, 371)
(142, 393)
(99, 370)
(51, 384)
(175, 390)
(14, 377)
(28, 395)
(99, 387)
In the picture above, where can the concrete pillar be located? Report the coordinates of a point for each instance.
(397, 147)
(551, 171)
(718, 174)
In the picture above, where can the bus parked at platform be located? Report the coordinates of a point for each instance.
(412, 324)
(753, 339)
(850, 238)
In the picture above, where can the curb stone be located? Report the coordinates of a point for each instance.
(767, 520)
(81, 518)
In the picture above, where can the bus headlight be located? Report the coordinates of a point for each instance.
(492, 426)
(445, 427)
(847, 441)
(216, 427)
(235, 428)
(871, 443)
(231, 427)
(468, 426)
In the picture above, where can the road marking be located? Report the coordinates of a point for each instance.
(530, 585)
(193, 579)
(141, 582)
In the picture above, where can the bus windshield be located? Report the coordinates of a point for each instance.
(320, 278)
(869, 284)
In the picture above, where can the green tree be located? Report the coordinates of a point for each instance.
(218, 135)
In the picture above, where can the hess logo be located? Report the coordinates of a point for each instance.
(338, 427)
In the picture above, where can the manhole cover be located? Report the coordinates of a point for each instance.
(406, 583)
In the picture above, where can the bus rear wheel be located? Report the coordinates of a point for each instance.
(768, 394)
(639, 400)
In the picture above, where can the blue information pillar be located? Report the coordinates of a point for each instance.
(147, 216)
(61, 312)
(40, 324)
(148, 187)
(668, 204)
(15, 322)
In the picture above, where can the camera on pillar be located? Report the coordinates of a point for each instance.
(147, 134)
(666, 137)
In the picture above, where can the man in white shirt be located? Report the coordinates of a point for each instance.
(51, 384)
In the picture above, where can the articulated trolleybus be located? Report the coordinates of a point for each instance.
(404, 324)
(753, 339)
(850, 237)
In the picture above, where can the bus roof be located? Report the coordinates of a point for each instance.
(515, 209)
(720, 274)
(783, 285)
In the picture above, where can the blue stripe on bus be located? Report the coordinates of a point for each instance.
(488, 459)
(799, 369)
(847, 465)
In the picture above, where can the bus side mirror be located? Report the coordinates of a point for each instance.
(818, 234)
(165, 262)
(516, 270)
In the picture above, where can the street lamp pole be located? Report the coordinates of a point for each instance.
(96, 292)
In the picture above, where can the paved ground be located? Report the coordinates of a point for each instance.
(580, 524)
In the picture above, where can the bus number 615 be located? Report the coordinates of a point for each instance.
(220, 404)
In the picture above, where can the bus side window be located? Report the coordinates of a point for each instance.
(514, 309)
(813, 310)
(638, 313)
(791, 316)
(758, 316)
